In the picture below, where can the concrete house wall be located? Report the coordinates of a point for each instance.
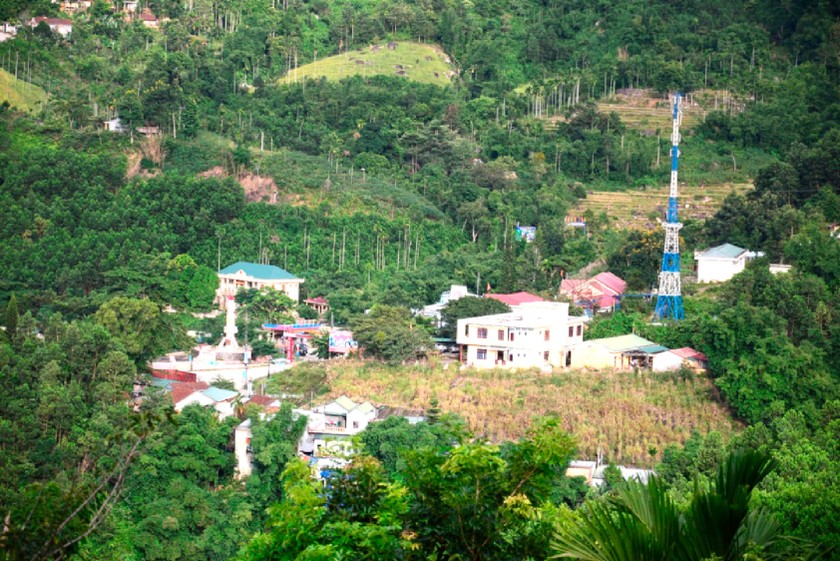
(536, 334)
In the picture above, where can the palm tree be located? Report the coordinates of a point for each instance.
(643, 524)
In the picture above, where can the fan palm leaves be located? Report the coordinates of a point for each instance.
(643, 524)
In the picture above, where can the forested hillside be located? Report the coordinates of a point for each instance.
(384, 150)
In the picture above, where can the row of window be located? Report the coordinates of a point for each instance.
(481, 354)
(483, 332)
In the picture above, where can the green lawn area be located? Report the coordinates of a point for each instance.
(415, 61)
(22, 95)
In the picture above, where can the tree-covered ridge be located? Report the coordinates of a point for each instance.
(381, 192)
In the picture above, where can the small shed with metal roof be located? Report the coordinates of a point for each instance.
(625, 351)
(722, 262)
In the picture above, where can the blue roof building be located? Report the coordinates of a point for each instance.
(243, 275)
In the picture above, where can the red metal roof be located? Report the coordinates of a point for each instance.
(316, 300)
(602, 289)
(262, 400)
(569, 285)
(53, 21)
(611, 281)
(689, 353)
(516, 298)
(182, 390)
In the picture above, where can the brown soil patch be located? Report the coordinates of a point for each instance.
(133, 167)
(217, 171)
(259, 187)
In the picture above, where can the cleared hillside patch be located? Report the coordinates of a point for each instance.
(640, 209)
(625, 415)
(414, 61)
(22, 95)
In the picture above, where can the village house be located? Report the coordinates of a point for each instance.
(432, 311)
(721, 263)
(319, 304)
(265, 403)
(695, 360)
(601, 293)
(779, 268)
(593, 472)
(63, 27)
(582, 468)
(219, 399)
(626, 351)
(7, 31)
(338, 420)
(149, 20)
(71, 7)
(114, 125)
(244, 275)
(327, 440)
(533, 334)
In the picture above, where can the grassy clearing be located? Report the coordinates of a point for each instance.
(622, 414)
(22, 95)
(301, 181)
(647, 111)
(639, 209)
(415, 61)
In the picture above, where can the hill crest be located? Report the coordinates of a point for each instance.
(415, 61)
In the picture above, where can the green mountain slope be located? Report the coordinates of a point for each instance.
(20, 94)
(415, 61)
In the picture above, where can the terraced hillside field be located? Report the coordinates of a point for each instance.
(648, 111)
(639, 209)
(20, 94)
(414, 61)
(625, 415)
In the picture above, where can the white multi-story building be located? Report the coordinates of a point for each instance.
(327, 439)
(244, 275)
(533, 334)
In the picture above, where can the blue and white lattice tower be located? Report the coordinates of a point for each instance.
(669, 303)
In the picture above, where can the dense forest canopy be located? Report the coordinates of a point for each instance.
(381, 192)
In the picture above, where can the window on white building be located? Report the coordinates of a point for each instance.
(482, 333)
(481, 354)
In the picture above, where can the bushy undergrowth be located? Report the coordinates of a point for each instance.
(624, 415)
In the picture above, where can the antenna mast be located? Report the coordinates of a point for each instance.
(669, 303)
